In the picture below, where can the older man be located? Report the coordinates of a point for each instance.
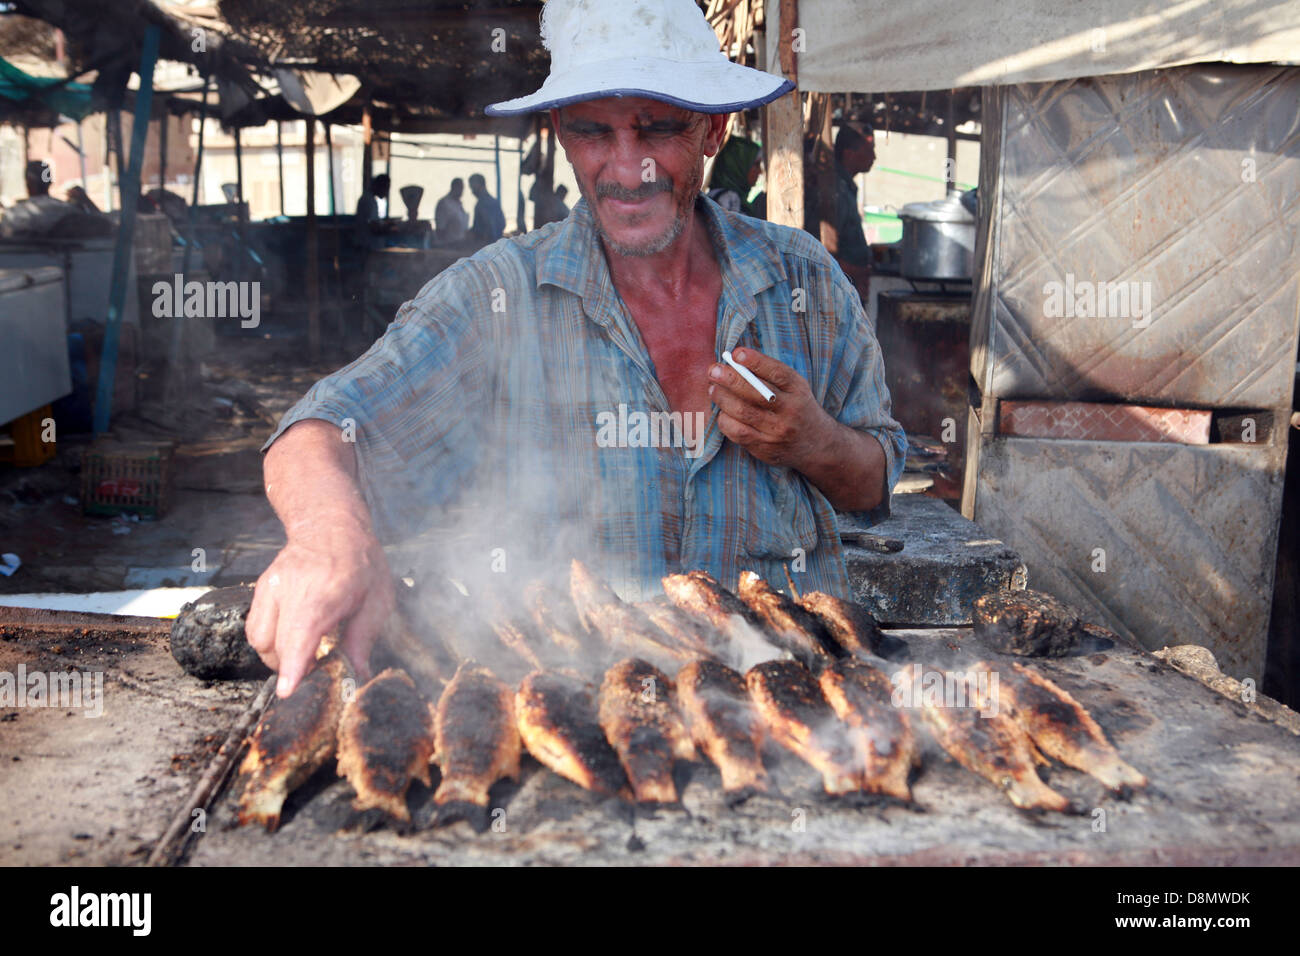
(521, 379)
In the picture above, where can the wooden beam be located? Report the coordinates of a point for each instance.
(823, 173)
(784, 146)
(279, 159)
(313, 246)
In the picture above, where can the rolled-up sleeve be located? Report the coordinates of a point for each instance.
(413, 404)
(857, 395)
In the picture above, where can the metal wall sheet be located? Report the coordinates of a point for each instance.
(1185, 182)
(1187, 535)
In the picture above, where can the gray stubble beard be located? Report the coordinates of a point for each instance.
(670, 235)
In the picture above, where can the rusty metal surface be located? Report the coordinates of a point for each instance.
(1187, 180)
(1223, 791)
(1185, 533)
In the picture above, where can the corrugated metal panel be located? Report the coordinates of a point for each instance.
(1186, 182)
(1189, 181)
(1186, 535)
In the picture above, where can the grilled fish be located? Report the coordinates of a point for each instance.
(556, 620)
(475, 636)
(514, 634)
(991, 745)
(421, 655)
(294, 739)
(385, 741)
(557, 723)
(624, 628)
(798, 717)
(477, 743)
(1060, 726)
(787, 625)
(740, 642)
(862, 697)
(680, 629)
(850, 626)
(640, 722)
(725, 726)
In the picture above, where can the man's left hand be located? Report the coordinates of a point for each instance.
(789, 431)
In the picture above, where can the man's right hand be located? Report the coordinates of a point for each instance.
(334, 574)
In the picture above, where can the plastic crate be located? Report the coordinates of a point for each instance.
(119, 477)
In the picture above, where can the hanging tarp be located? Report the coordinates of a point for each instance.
(885, 46)
(21, 91)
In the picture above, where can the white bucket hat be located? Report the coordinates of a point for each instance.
(660, 49)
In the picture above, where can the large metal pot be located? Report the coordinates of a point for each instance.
(938, 239)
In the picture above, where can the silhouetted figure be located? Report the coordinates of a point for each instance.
(489, 220)
(450, 220)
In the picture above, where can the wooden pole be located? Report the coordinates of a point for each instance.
(329, 156)
(162, 151)
(173, 383)
(496, 161)
(785, 132)
(279, 158)
(313, 247)
(123, 248)
(823, 172)
(950, 127)
(239, 203)
(367, 151)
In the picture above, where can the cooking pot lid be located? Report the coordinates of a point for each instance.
(948, 209)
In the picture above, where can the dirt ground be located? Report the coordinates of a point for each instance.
(217, 504)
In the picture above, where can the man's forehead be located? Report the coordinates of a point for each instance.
(626, 110)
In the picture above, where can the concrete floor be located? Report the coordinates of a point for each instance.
(217, 503)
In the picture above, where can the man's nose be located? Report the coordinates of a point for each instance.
(628, 161)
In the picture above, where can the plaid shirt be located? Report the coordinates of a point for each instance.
(480, 412)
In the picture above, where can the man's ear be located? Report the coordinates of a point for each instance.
(555, 125)
(717, 129)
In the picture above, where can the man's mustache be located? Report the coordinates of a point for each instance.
(663, 184)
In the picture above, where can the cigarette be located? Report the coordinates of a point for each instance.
(749, 377)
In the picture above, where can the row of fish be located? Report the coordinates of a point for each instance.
(812, 683)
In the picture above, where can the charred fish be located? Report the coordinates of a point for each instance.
(640, 722)
(724, 726)
(851, 627)
(386, 741)
(294, 739)
(557, 723)
(740, 642)
(862, 696)
(798, 717)
(477, 743)
(1060, 726)
(989, 744)
(785, 623)
(623, 627)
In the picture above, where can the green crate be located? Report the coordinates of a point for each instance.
(121, 477)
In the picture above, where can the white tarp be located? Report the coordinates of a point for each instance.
(877, 46)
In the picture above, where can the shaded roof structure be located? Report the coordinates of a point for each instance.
(38, 100)
(418, 60)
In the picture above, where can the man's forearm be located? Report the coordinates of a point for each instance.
(311, 479)
(848, 468)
